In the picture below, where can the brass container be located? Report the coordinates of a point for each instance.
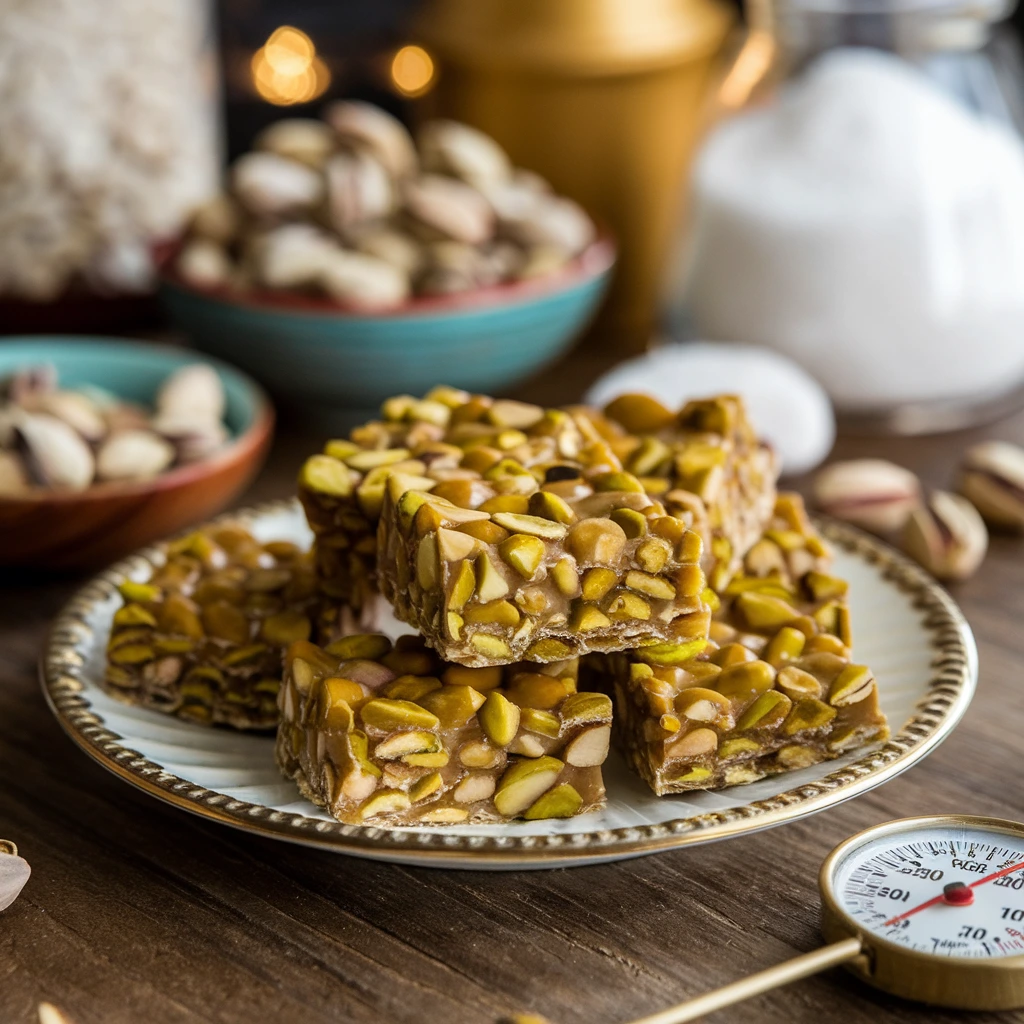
(604, 98)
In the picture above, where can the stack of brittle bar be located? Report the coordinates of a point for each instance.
(642, 553)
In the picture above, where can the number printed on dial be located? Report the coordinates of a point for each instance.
(948, 891)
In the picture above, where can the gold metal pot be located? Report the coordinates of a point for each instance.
(602, 97)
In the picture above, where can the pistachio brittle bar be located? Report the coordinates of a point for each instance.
(540, 567)
(204, 637)
(732, 718)
(784, 583)
(447, 436)
(775, 688)
(705, 460)
(386, 734)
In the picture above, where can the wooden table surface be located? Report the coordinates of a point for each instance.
(137, 913)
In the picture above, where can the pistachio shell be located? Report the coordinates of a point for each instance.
(271, 185)
(298, 138)
(363, 125)
(55, 454)
(451, 208)
(133, 455)
(363, 282)
(449, 147)
(76, 410)
(193, 392)
(14, 873)
(358, 189)
(872, 493)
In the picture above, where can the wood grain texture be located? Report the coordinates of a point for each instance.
(137, 912)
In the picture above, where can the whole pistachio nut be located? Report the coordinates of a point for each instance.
(195, 391)
(14, 873)
(358, 189)
(872, 493)
(390, 245)
(122, 415)
(552, 221)
(363, 281)
(13, 476)
(947, 536)
(217, 220)
(76, 410)
(54, 453)
(450, 208)
(192, 439)
(204, 263)
(514, 197)
(363, 126)
(456, 267)
(992, 478)
(133, 455)
(291, 256)
(444, 281)
(543, 259)
(50, 1014)
(269, 185)
(299, 138)
(449, 147)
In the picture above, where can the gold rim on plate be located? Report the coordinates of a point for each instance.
(949, 691)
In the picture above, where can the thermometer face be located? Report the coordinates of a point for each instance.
(948, 890)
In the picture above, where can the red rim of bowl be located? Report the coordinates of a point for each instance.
(238, 449)
(596, 259)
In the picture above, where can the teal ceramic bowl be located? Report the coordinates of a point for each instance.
(84, 529)
(310, 350)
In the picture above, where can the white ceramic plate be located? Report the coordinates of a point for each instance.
(905, 626)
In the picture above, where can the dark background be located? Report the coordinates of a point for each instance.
(356, 38)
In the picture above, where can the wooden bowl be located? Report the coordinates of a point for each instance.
(87, 529)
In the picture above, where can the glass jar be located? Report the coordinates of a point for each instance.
(109, 115)
(860, 206)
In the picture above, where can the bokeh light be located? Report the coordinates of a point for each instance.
(286, 69)
(412, 71)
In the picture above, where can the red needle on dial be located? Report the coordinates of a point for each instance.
(941, 898)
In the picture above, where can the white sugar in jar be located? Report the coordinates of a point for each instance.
(870, 225)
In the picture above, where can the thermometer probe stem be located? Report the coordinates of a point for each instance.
(764, 981)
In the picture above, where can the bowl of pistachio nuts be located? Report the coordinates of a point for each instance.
(106, 445)
(347, 261)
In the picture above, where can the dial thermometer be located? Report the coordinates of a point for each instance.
(930, 909)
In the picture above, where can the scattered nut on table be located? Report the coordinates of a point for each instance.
(872, 493)
(50, 1014)
(14, 873)
(350, 208)
(992, 477)
(947, 536)
(67, 439)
